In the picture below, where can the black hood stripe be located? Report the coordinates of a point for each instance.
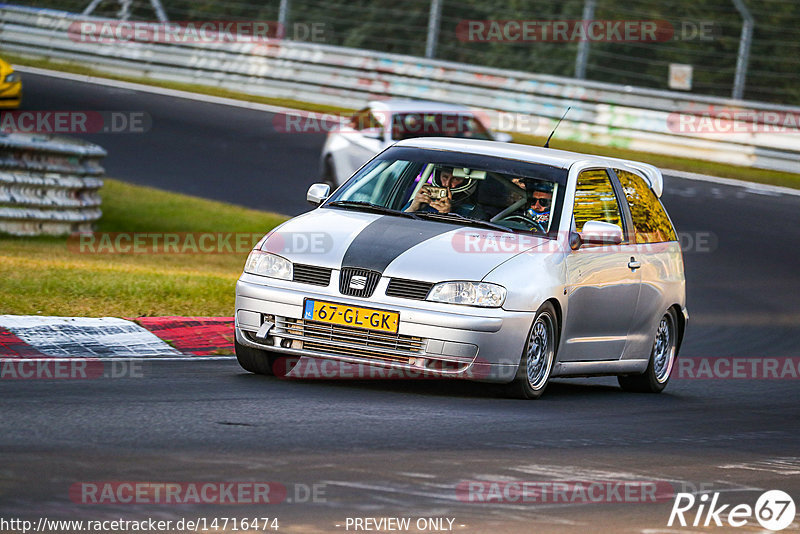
(386, 238)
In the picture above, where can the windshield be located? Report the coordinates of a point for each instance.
(408, 125)
(457, 187)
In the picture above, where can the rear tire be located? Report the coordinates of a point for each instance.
(538, 356)
(662, 358)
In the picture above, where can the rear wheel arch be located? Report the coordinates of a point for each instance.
(681, 323)
(662, 357)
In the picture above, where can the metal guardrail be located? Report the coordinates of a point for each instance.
(48, 185)
(634, 118)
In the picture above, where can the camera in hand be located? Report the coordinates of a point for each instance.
(437, 192)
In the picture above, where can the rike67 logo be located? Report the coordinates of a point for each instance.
(774, 510)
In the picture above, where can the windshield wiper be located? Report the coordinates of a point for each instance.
(464, 220)
(368, 206)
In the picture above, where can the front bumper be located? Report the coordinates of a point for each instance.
(435, 339)
(10, 95)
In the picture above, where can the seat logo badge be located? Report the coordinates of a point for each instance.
(358, 282)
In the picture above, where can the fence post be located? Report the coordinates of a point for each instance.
(91, 7)
(124, 12)
(583, 46)
(159, 9)
(434, 21)
(283, 18)
(743, 57)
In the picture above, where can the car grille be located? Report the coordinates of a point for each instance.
(408, 289)
(349, 279)
(311, 274)
(350, 341)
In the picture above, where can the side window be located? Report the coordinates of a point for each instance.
(649, 218)
(377, 180)
(595, 199)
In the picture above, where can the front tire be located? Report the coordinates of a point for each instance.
(662, 358)
(253, 360)
(329, 173)
(538, 356)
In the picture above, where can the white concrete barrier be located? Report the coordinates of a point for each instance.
(742, 133)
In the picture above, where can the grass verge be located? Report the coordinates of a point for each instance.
(45, 276)
(663, 161)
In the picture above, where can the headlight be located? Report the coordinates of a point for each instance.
(266, 264)
(480, 294)
(13, 77)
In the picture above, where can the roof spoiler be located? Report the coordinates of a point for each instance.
(650, 173)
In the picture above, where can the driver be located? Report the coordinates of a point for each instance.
(541, 200)
(459, 199)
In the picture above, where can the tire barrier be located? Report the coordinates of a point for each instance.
(48, 185)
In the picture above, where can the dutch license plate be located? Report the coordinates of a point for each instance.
(340, 314)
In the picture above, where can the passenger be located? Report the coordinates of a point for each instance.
(460, 195)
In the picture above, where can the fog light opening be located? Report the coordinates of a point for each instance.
(451, 366)
(286, 343)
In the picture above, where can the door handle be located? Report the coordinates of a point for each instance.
(633, 264)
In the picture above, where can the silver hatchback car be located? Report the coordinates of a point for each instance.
(474, 259)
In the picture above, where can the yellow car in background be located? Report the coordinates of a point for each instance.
(10, 87)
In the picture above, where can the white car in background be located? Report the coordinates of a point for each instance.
(382, 123)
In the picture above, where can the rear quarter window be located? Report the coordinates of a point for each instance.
(650, 220)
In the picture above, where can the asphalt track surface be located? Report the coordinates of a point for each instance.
(400, 448)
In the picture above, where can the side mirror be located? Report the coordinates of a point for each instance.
(503, 137)
(318, 193)
(598, 233)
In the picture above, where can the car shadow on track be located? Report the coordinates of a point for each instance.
(587, 388)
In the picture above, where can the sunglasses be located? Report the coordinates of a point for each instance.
(544, 202)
